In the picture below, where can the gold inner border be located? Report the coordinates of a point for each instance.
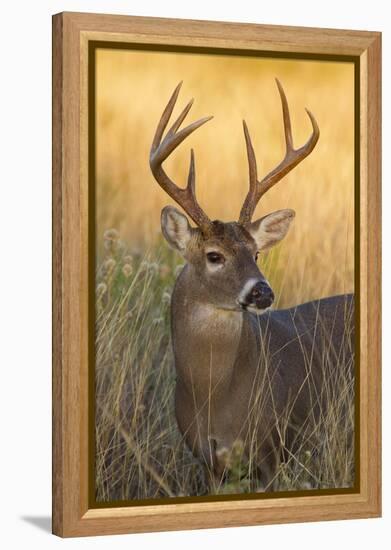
(90, 73)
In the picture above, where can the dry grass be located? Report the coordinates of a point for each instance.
(139, 451)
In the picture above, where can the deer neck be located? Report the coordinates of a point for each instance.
(206, 338)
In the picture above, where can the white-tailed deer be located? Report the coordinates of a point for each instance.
(240, 366)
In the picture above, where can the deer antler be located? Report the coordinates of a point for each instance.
(163, 147)
(292, 158)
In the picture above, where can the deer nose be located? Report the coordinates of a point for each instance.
(260, 296)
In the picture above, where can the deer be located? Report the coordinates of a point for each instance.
(240, 364)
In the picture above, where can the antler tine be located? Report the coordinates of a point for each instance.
(162, 147)
(165, 118)
(292, 158)
(247, 211)
(286, 117)
(252, 161)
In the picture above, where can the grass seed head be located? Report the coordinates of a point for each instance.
(111, 235)
(109, 265)
(101, 289)
(127, 270)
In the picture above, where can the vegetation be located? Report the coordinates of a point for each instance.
(139, 450)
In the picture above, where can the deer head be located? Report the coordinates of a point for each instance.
(223, 255)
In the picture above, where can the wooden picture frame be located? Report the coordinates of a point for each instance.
(72, 513)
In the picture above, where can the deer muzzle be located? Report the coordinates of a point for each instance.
(256, 295)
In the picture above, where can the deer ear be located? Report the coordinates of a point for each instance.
(271, 229)
(176, 228)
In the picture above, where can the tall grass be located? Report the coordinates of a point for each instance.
(139, 450)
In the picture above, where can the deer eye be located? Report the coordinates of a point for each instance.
(215, 258)
(256, 256)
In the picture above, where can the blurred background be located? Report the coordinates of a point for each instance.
(317, 257)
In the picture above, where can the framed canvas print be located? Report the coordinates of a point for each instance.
(216, 230)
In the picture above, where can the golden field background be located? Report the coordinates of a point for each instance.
(317, 257)
(139, 450)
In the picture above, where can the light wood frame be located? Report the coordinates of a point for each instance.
(71, 35)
